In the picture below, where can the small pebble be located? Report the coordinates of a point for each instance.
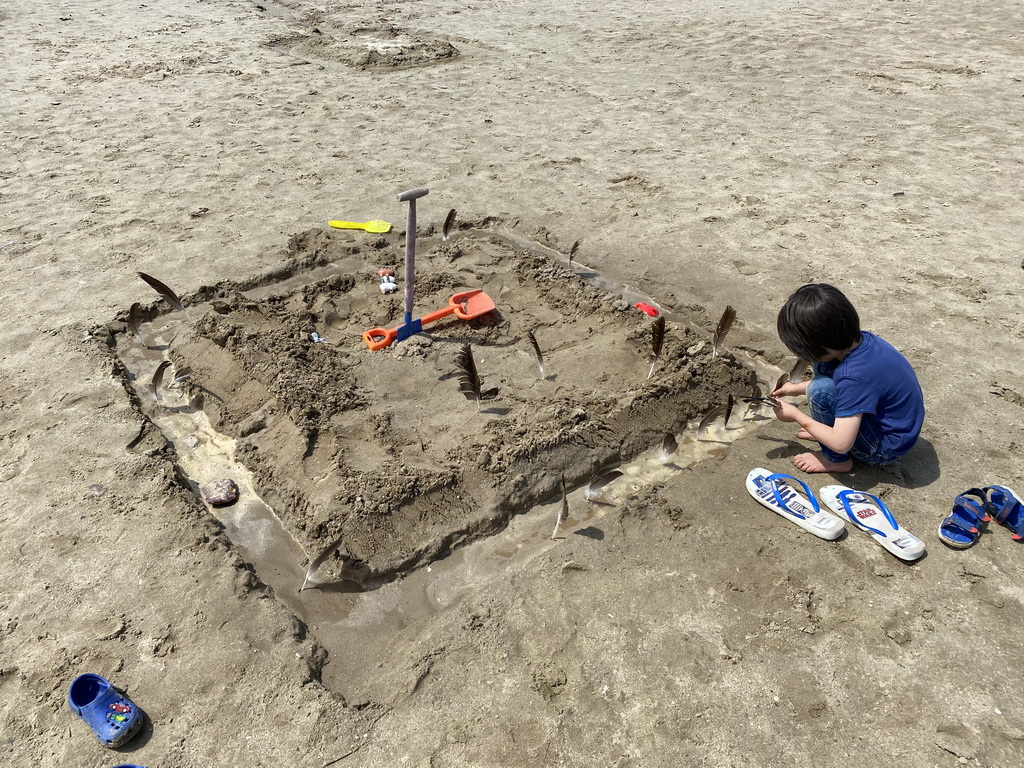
(96, 490)
(220, 493)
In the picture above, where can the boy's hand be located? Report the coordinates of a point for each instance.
(786, 411)
(790, 389)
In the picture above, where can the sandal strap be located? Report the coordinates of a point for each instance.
(778, 484)
(844, 498)
(969, 508)
(1007, 509)
(967, 515)
(983, 500)
(1001, 501)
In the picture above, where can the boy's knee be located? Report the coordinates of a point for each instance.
(821, 386)
(821, 397)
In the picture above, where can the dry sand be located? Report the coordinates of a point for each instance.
(704, 154)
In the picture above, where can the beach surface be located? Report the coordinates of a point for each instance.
(703, 155)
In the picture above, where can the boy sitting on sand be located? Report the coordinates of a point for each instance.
(865, 399)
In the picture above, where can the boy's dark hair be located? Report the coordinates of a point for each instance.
(818, 319)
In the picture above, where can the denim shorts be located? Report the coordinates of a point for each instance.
(821, 397)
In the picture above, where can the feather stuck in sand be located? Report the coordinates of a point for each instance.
(537, 352)
(668, 446)
(595, 487)
(446, 228)
(713, 413)
(319, 560)
(168, 295)
(657, 340)
(563, 508)
(724, 325)
(158, 379)
(470, 383)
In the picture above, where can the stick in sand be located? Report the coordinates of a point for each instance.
(410, 196)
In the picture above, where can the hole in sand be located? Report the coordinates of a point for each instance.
(329, 439)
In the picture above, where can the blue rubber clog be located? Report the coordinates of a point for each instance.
(113, 718)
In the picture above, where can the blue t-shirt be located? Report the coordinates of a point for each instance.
(877, 381)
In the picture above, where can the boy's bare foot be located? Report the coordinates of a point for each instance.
(815, 462)
(803, 434)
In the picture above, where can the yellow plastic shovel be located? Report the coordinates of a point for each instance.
(376, 225)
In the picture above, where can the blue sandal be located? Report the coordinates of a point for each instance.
(1007, 508)
(113, 717)
(962, 527)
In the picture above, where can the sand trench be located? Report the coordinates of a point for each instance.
(328, 439)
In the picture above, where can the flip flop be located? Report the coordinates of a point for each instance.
(775, 492)
(113, 717)
(962, 527)
(871, 515)
(1007, 508)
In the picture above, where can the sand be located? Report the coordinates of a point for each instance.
(704, 155)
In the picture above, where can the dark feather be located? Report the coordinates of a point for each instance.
(158, 379)
(469, 380)
(796, 374)
(658, 336)
(728, 318)
(595, 487)
(729, 405)
(759, 401)
(782, 380)
(572, 252)
(563, 509)
(563, 513)
(668, 446)
(754, 401)
(169, 296)
(180, 376)
(134, 319)
(536, 350)
(446, 228)
(320, 560)
(657, 340)
(470, 383)
(712, 414)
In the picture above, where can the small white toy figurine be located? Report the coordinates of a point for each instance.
(388, 284)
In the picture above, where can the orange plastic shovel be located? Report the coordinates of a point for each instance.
(465, 306)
